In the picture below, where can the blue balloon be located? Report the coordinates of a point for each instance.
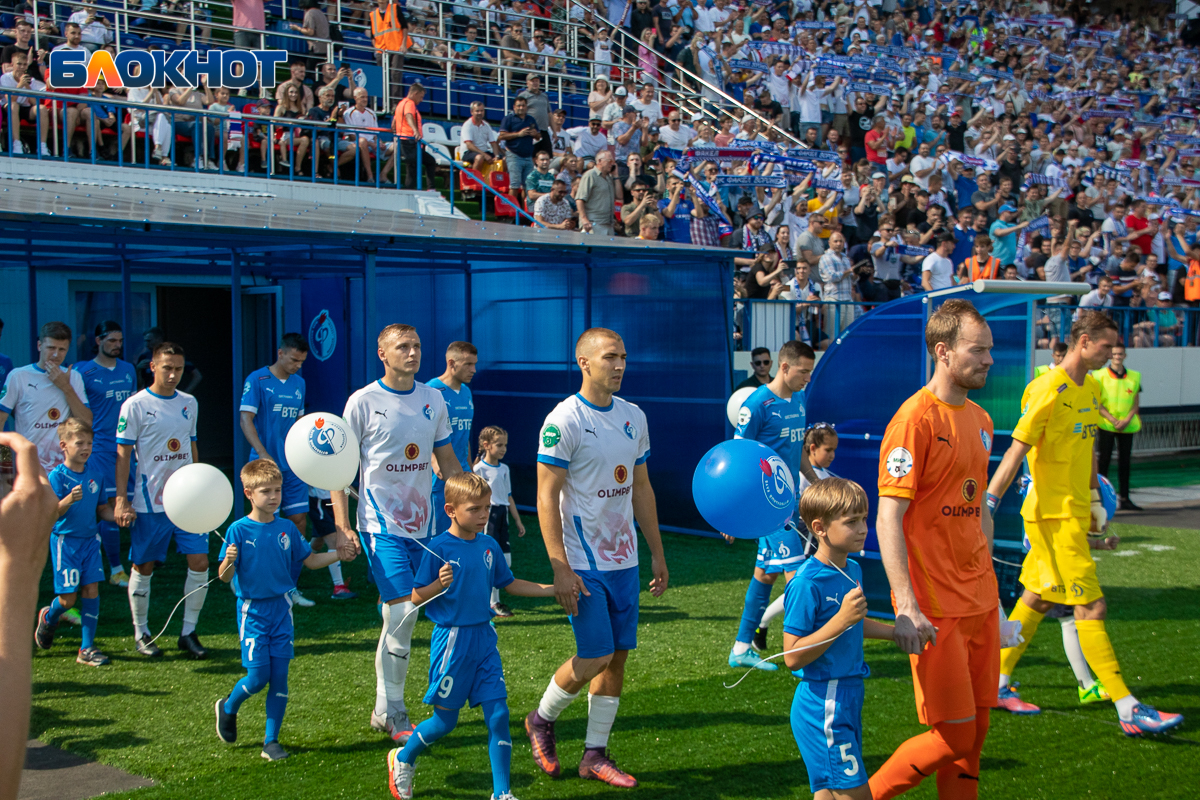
(1108, 496)
(744, 489)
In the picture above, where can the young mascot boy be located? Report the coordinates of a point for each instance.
(260, 556)
(75, 541)
(464, 664)
(825, 612)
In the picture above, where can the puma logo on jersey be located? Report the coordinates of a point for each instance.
(832, 599)
(251, 542)
(1067, 405)
(381, 413)
(944, 439)
(592, 431)
(152, 414)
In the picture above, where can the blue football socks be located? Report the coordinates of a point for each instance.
(428, 732)
(256, 679)
(758, 595)
(499, 745)
(90, 609)
(55, 613)
(277, 698)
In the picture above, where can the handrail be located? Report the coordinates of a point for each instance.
(680, 69)
(1128, 318)
(479, 179)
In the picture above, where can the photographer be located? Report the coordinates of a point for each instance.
(870, 289)
(643, 204)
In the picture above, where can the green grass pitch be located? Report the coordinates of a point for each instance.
(678, 731)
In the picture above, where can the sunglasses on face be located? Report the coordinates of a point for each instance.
(761, 363)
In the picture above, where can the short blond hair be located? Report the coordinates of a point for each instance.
(259, 473)
(945, 325)
(73, 425)
(393, 331)
(590, 339)
(830, 499)
(465, 487)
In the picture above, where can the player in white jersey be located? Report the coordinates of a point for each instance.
(592, 484)
(159, 422)
(399, 423)
(40, 396)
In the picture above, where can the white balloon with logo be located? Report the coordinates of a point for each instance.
(323, 452)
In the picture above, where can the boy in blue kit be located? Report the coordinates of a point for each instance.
(464, 664)
(824, 622)
(75, 541)
(260, 554)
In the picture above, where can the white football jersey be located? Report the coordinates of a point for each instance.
(37, 407)
(396, 432)
(599, 448)
(498, 478)
(162, 430)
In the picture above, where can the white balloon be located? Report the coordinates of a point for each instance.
(735, 403)
(198, 498)
(322, 451)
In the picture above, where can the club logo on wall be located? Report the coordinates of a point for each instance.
(322, 336)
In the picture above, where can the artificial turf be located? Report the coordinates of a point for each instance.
(678, 731)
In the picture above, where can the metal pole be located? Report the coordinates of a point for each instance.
(235, 308)
(369, 312)
(468, 301)
(126, 300)
(31, 277)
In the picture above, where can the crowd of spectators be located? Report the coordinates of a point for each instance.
(938, 144)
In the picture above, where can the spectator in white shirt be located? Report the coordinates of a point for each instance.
(676, 135)
(589, 141)
(96, 30)
(937, 271)
(362, 116)
(479, 143)
(922, 165)
(647, 106)
(1100, 297)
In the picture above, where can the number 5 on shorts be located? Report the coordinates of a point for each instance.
(851, 770)
(446, 686)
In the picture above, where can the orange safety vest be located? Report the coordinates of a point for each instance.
(386, 30)
(1191, 284)
(400, 126)
(989, 271)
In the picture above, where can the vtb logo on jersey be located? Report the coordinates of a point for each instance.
(173, 445)
(777, 482)
(630, 430)
(54, 414)
(411, 451)
(621, 473)
(427, 411)
(322, 336)
(327, 438)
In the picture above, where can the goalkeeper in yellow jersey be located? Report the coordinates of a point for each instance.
(1060, 414)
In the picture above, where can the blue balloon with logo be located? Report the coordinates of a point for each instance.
(1108, 496)
(744, 489)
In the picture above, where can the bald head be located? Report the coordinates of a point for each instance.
(593, 340)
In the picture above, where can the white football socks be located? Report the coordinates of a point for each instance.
(602, 713)
(191, 606)
(1074, 653)
(335, 572)
(139, 603)
(1004, 681)
(555, 701)
(740, 647)
(773, 611)
(391, 658)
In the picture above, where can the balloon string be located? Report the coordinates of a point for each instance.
(189, 594)
(777, 655)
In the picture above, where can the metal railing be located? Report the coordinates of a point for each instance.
(1167, 433)
(1140, 326)
(770, 323)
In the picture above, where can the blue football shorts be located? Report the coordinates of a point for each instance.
(295, 495)
(464, 667)
(827, 724)
(151, 535)
(439, 520)
(782, 551)
(607, 619)
(393, 561)
(76, 562)
(265, 629)
(106, 463)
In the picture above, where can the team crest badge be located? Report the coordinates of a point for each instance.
(551, 436)
(411, 451)
(185, 412)
(899, 462)
(427, 411)
(986, 438)
(970, 489)
(322, 336)
(54, 414)
(777, 482)
(285, 541)
(93, 487)
(743, 416)
(487, 558)
(621, 473)
(173, 445)
(630, 430)
(327, 438)
(246, 388)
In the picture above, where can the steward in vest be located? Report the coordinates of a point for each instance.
(1119, 420)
